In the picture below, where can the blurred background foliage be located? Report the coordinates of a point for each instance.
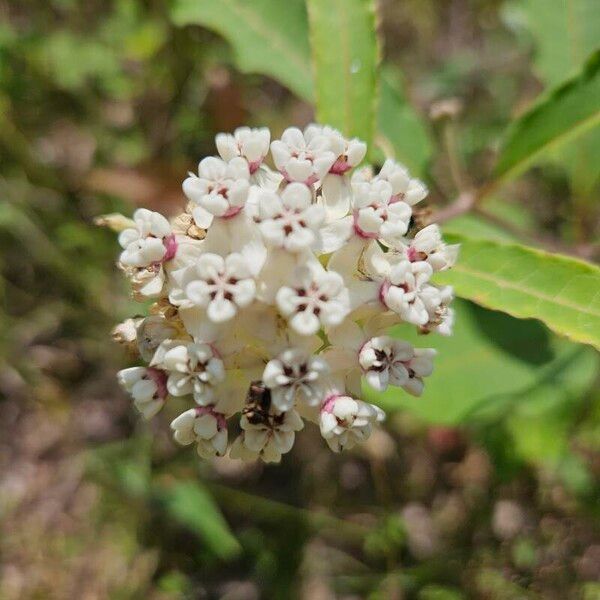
(486, 487)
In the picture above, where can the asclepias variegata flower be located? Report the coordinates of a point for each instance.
(274, 292)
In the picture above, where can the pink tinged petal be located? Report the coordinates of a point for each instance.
(220, 309)
(305, 322)
(323, 162)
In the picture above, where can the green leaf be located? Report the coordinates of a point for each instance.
(268, 36)
(564, 36)
(490, 360)
(566, 112)
(402, 133)
(524, 282)
(345, 55)
(193, 506)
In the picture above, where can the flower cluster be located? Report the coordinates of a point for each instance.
(274, 292)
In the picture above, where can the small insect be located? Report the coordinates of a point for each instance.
(258, 404)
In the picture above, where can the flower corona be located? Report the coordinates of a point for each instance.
(275, 290)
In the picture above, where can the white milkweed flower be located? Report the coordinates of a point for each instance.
(249, 143)
(407, 292)
(404, 187)
(387, 361)
(267, 439)
(345, 421)
(335, 187)
(205, 427)
(428, 245)
(289, 220)
(377, 214)
(150, 242)
(315, 297)
(295, 375)
(222, 285)
(220, 189)
(301, 160)
(147, 386)
(275, 291)
(192, 368)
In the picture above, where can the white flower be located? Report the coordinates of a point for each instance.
(251, 144)
(269, 438)
(289, 220)
(406, 291)
(335, 188)
(348, 153)
(222, 285)
(316, 297)
(147, 387)
(295, 374)
(428, 245)
(441, 316)
(377, 213)
(220, 189)
(193, 368)
(204, 426)
(386, 361)
(276, 291)
(301, 160)
(345, 421)
(151, 332)
(149, 243)
(404, 188)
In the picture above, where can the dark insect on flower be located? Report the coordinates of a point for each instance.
(258, 403)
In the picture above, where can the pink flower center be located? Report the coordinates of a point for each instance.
(170, 244)
(160, 380)
(340, 166)
(209, 410)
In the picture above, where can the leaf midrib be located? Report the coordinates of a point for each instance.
(504, 283)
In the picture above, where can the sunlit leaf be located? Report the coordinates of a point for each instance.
(269, 36)
(524, 282)
(564, 113)
(345, 57)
